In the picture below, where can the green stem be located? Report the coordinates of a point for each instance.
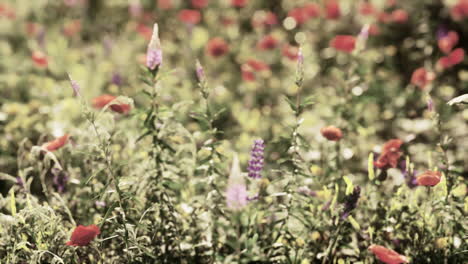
(332, 243)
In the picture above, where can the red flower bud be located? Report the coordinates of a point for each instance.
(331, 133)
(429, 178)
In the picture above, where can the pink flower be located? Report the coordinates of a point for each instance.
(366, 9)
(399, 16)
(290, 52)
(154, 56)
(460, 10)
(421, 78)
(267, 43)
(262, 19)
(447, 42)
(199, 3)
(164, 4)
(332, 9)
(239, 3)
(454, 58)
(217, 47)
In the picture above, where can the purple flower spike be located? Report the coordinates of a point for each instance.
(256, 159)
(154, 56)
(351, 202)
(75, 86)
(200, 72)
(430, 105)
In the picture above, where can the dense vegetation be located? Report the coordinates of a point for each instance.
(241, 131)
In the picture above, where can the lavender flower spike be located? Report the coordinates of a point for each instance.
(236, 192)
(200, 72)
(256, 159)
(75, 86)
(154, 56)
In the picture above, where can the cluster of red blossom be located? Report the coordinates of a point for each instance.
(388, 157)
(422, 77)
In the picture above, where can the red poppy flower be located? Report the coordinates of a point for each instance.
(387, 256)
(399, 16)
(71, 28)
(302, 14)
(454, 58)
(258, 65)
(164, 4)
(332, 9)
(39, 59)
(298, 14)
(247, 74)
(83, 235)
(103, 100)
(239, 3)
(56, 143)
(290, 52)
(446, 43)
(460, 10)
(421, 78)
(366, 9)
(217, 47)
(345, 43)
(390, 154)
(267, 43)
(250, 67)
(261, 19)
(199, 3)
(331, 133)
(429, 178)
(311, 10)
(190, 16)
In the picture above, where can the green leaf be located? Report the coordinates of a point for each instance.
(440, 190)
(308, 101)
(349, 185)
(291, 104)
(370, 166)
(354, 223)
(13, 202)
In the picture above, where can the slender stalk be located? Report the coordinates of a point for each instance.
(332, 242)
(106, 154)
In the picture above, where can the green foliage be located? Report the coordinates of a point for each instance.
(155, 179)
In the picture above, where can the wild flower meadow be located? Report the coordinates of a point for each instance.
(233, 131)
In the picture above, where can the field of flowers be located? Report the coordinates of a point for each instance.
(233, 131)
